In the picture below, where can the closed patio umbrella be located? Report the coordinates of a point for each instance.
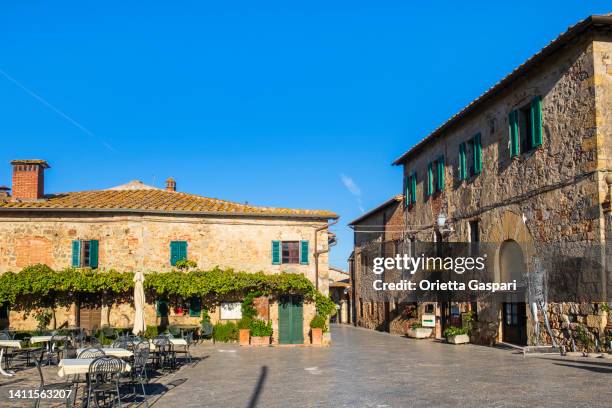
(140, 326)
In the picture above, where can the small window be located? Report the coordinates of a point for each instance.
(195, 307)
(85, 254)
(290, 252)
(435, 176)
(429, 308)
(411, 182)
(231, 310)
(525, 128)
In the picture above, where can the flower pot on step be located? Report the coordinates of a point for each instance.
(244, 335)
(316, 336)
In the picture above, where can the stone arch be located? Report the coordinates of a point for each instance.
(511, 228)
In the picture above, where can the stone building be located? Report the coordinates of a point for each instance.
(524, 167)
(375, 233)
(339, 286)
(138, 227)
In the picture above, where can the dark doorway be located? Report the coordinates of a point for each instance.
(514, 328)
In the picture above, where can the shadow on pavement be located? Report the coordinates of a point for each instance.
(258, 387)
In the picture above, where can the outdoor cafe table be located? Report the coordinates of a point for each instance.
(46, 339)
(73, 366)
(111, 351)
(173, 342)
(4, 344)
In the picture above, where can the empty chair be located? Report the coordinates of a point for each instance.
(103, 380)
(66, 385)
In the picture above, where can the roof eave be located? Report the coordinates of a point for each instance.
(544, 53)
(162, 212)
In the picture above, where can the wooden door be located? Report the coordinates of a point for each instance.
(515, 323)
(291, 320)
(89, 318)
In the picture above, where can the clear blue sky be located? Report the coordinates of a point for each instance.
(266, 102)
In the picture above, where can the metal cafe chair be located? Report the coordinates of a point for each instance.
(162, 350)
(92, 352)
(139, 368)
(68, 386)
(185, 350)
(103, 380)
(54, 347)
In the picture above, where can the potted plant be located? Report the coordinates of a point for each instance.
(317, 327)
(261, 331)
(457, 335)
(417, 331)
(244, 331)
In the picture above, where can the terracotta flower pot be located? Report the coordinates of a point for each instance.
(317, 336)
(260, 341)
(244, 335)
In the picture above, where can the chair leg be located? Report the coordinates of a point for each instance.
(144, 393)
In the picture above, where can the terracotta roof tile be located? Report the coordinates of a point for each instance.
(155, 200)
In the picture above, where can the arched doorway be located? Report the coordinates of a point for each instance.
(514, 311)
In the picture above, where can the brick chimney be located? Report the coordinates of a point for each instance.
(171, 184)
(29, 179)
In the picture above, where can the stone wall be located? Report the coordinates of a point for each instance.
(551, 194)
(142, 242)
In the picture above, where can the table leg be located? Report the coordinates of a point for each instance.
(8, 373)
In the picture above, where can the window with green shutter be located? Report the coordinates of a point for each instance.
(161, 307)
(304, 252)
(195, 307)
(276, 252)
(85, 253)
(4, 311)
(526, 127)
(462, 162)
(178, 251)
(407, 187)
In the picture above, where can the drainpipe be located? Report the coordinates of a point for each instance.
(317, 253)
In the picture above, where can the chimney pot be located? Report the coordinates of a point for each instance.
(171, 184)
(29, 179)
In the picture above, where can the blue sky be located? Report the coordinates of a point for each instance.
(267, 102)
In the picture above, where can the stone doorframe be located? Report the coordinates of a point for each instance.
(512, 227)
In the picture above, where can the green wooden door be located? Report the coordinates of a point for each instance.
(290, 320)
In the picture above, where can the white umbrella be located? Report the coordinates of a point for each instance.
(140, 326)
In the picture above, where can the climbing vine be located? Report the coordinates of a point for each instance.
(39, 285)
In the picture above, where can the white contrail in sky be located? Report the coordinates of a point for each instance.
(56, 110)
(353, 188)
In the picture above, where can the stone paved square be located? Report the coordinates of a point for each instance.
(364, 368)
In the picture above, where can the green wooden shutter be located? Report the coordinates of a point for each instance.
(536, 122)
(93, 253)
(440, 173)
(174, 252)
(462, 162)
(162, 308)
(182, 250)
(407, 187)
(413, 185)
(304, 252)
(430, 179)
(276, 253)
(477, 154)
(195, 307)
(76, 254)
(513, 132)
